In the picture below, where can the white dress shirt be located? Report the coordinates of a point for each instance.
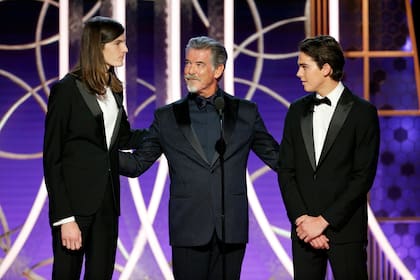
(110, 111)
(322, 117)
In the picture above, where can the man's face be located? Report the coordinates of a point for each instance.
(313, 79)
(114, 52)
(199, 73)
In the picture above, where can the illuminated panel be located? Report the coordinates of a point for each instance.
(64, 38)
(334, 18)
(118, 13)
(147, 215)
(228, 42)
(173, 51)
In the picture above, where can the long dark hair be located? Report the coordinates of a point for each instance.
(91, 66)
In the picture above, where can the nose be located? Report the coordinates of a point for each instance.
(299, 73)
(124, 48)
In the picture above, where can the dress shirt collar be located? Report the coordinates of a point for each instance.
(202, 101)
(334, 95)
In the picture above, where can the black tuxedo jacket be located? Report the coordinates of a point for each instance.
(77, 162)
(337, 187)
(195, 184)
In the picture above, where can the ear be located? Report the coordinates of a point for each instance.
(326, 70)
(219, 71)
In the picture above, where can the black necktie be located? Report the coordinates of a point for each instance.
(318, 101)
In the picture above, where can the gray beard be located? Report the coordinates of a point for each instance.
(191, 89)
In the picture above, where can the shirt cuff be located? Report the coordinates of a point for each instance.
(64, 221)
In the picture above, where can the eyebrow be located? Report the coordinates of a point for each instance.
(195, 62)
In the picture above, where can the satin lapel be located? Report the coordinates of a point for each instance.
(118, 99)
(306, 126)
(90, 100)
(92, 103)
(230, 116)
(340, 114)
(182, 117)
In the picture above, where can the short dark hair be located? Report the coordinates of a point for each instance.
(218, 51)
(325, 49)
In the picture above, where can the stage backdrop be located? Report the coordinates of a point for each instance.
(266, 34)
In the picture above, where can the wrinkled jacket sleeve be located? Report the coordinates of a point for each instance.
(136, 163)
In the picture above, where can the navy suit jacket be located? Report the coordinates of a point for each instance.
(337, 187)
(195, 184)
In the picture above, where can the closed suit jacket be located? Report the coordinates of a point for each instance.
(195, 182)
(77, 162)
(337, 187)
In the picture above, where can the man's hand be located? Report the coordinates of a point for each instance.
(71, 236)
(320, 242)
(308, 227)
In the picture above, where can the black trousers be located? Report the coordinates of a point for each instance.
(348, 261)
(206, 262)
(99, 244)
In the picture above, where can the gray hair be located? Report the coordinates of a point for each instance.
(218, 51)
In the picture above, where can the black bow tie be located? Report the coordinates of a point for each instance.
(202, 101)
(318, 101)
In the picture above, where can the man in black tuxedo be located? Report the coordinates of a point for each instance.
(85, 127)
(186, 133)
(328, 160)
